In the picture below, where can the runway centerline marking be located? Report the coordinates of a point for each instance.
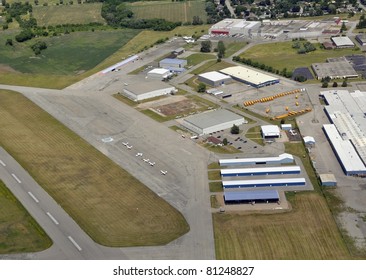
(32, 196)
(74, 242)
(52, 218)
(2, 163)
(16, 178)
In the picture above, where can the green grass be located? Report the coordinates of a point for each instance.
(232, 48)
(214, 175)
(254, 134)
(19, 232)
(281, 55)
(307, 232)
(221, 149)
(171, 11)
(215, 186)
(154, 116)
(197, 58)
(214, 165)
(214, 202)
(211, 66)
(110, 205)
(256, 115)
(64, 14)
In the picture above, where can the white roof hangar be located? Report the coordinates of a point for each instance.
(159, 73)
(309, 140)
(147, 89)
(250, 76)
(282, 158)
(342, 42)
(278, 170)
(270, 131)
(214, 78)
(230, 26)
(286, 182)
(212, 121)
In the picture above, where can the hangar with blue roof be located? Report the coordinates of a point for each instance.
(286, 182)
(264, 196)
(280, 170)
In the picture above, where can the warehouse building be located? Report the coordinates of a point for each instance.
(249, 76)
(212, 121)
(147, 89)
(261, 196)
(173, 64)
(342, 42)
(309, 141)
(283, 158)
(361, 38)
(328, 180)
(287, 182)
(214, 78)
(278, 170)
(270, 131)
(159, 74)
(231, 27)
(334, 70)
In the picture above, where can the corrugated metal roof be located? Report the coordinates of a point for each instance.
(147, 86)
(263, 181)
(256, 160)
(214, 76)
(248, 74)
(342, 41)
(270, 130)
(251, 195)
(173, 61)
(294, 168)
(160, 71)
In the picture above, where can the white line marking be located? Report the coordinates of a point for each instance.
(16, 178)
(32, 196)
(2, 163)
(74, 242)
(52, 218)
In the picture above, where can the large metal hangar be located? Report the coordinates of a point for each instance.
(286, 182)
(147, 89)
(278, 170)
(159, 74)
(261, 196)
(270, 131)
(342, 42)
(173, 64)
(214, 78)
(212, 121)
(250, 76)
(232, 27)
(282, 158)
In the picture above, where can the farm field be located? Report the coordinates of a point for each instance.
(307, 232)
(99, 195)
(171, 11)
(63, 14)
(282, 55)
(19, 232)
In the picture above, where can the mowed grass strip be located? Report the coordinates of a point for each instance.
(19, 232)
(113, 207)
(171, 11)
(307, 232)
(68, 14)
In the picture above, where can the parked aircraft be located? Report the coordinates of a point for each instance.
(139, 154)
(129, 147)
(146, 159)
(152, 163)
(163, 172)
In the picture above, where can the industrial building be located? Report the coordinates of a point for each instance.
(309, 140)
(147, 89)
(212, 121)
(250, 76)
(214, 78)
(328, 180)
(159, 74)
(270, 131)
(278, 170)
(178, 51)
(334, 70)
(173, 64)
(283, 158)
(261, 196)
(361, 38)
(231, 27)
(342, 42)
(286, 182)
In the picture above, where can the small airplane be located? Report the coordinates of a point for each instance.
(129, 147)
(145, 159)
(125, 143)
(152, 163)
(163, 172)
(139, 154)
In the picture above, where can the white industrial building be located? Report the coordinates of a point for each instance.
(286, 182)
(282, 158)
(214, 78)
(342, 42)
(230, 27)
(173, 64)
(159, 74)
(250, 76)
(259, 171)
(212, 121)
(147, 89)
(309, 140)
(270, 131)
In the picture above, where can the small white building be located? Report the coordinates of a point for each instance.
(309, 140)
(214, 78)
(147, 89)
(270, 131)
(328, 180)
(286, 126)
(159, 74)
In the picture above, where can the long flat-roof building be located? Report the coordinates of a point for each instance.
(230, 27)
(260, 196)
(361, 38)
(250, 76)
(214, 78)
(147, 89)
(286, 182)
(342, 42)
(282, 158)
(278, 170)
(212, 121)
(334, 70)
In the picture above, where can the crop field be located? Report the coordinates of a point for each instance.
(19, 232)
(171, 11)
(63, 14)
(113, 207)
(307, 232)
(282, 55)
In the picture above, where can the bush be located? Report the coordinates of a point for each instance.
(235, 129)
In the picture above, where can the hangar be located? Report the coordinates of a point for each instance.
(212, 121)
(249, 76)
(287, 182)
(270, 131)
(159, 74)
(283, 158)
(264, 196)
(279, 170)
(173, 64)
(342, 42)
(214, 78)
(328, 180)
(147, 89)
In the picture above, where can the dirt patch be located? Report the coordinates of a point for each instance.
(176, 108)
(161, 102)
(6, 68)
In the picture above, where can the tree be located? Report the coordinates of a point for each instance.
(344, 84)
(206, 46)
(9, 42)
(324, 84)
(235, 129)
(224, 141)
(201, 87)
(343, 27)
(335, 84)
(220, 49)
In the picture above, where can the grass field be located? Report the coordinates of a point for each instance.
(171, 11)
(19, 232)
(307, 232)
(282, 55)
(232, 48)
(63, 14)
(211, 66)
(254, 134)
(109, 204)
(197, 58)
